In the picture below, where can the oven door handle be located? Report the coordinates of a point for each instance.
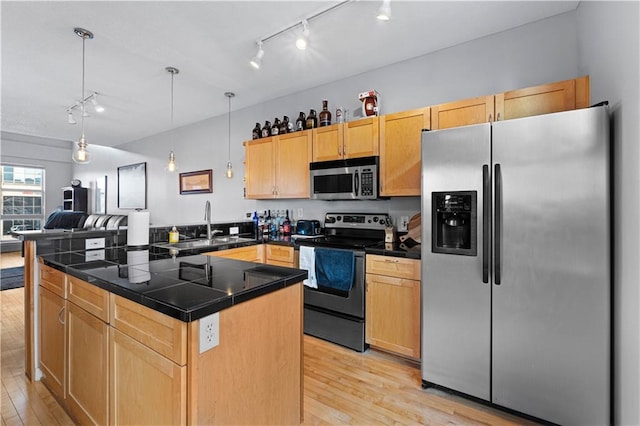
(356, 182)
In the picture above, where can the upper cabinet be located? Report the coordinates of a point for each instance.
(359, 138)
(543, 99)
(463, 113)
(278, 166)
(400, 141)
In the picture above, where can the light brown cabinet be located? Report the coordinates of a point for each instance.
(543, 99)
(53, 340)
(400, 151)
(278, 166)
(359, 138)
(148, 373)
(393, 304)
(281, 255)
(249, 253)
(463, 113)
(536, 100)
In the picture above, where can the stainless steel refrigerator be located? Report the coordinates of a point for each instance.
(516, 268)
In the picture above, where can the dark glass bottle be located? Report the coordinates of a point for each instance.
(284, 125)
(257, 132)
(275, 128)
(287, 225)
(325, 114)
(312, 119)
(266, 129)
(301, 122)
(290, 128)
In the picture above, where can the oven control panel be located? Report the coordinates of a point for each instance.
(357, 220)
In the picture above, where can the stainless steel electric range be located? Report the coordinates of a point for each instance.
(335, 314)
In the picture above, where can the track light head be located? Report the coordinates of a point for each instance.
(303, 38)
(384, 12)
(70, 118)
(96, 106)
(256, 61)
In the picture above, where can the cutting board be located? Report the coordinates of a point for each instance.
(414, 229)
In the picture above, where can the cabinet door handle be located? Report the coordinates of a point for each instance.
(60, 318)
(490, 118)
(498, 117)
(344, 149)
(392, 260)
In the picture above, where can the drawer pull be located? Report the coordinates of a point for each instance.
(391, 260)
(60, 319)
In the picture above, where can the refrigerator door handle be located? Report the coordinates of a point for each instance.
(497, 176)
(486, 222)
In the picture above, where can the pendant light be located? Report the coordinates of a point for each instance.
(171, 165)
(81, 155)
(229, 172)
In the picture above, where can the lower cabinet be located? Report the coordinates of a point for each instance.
(53, 341)
(87, 367)
(393, 304)
(146, 388)
(250, 253)
(281, 256)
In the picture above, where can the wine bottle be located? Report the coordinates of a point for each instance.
(325, 114)
(257, 132)
(275, 128)
(266, 129)
(287, 225)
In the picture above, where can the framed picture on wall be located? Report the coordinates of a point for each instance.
(199, 182)
(132, 186)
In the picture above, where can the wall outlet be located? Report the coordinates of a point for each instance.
(209, 332)
(300, 212)
(404, 223)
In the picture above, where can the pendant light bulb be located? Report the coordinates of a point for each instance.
(171, 165)
(384, 12)
(303, 39)
(81, 155)
(229, 172)
(96, 106)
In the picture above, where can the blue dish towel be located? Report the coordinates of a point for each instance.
(335, 268)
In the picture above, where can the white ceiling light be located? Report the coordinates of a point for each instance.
(384, 12)
(229, 172)
(303, 38)
(256, 61)
(171, 165)
(93, 97)
(96, 106)
(81, 155)
(70, 118)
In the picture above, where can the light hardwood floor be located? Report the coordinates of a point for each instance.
(340, 386)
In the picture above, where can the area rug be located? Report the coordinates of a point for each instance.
(11, 278)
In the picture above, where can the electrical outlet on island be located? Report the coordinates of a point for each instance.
(209, 332)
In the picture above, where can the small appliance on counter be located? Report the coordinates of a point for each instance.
(308, 227)
(370, 103)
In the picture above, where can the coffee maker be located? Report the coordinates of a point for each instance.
(370, 103)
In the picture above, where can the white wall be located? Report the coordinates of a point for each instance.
(541, 52)
(609, 52)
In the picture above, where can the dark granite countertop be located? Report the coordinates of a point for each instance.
(397, 249)
(185, 287)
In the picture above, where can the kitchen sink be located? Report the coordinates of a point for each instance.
(203, 243)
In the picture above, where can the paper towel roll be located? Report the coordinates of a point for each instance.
(138, 266)
(138, 229)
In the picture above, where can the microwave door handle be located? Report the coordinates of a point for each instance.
(356, 181)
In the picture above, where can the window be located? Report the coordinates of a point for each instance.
(22, 193)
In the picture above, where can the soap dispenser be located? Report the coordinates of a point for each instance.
(174, 236)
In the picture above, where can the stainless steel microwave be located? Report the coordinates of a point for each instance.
(351, 179)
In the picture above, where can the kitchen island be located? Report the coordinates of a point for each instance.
(149, 338)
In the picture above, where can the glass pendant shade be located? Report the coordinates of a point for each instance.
(229, 172)
(81, 155)
(171, 165)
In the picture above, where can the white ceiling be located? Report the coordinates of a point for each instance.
(211, 43)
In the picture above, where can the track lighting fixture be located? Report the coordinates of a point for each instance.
(229, 172)
(303, 38)
(384, 12)
(256, 61)
(171, 165)
(302, 41)
(93, 97)
(81, 155)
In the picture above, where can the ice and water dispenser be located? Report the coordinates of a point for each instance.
(454, 222)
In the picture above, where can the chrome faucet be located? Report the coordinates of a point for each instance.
(207, 217)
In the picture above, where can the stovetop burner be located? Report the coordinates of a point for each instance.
(351, 230)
